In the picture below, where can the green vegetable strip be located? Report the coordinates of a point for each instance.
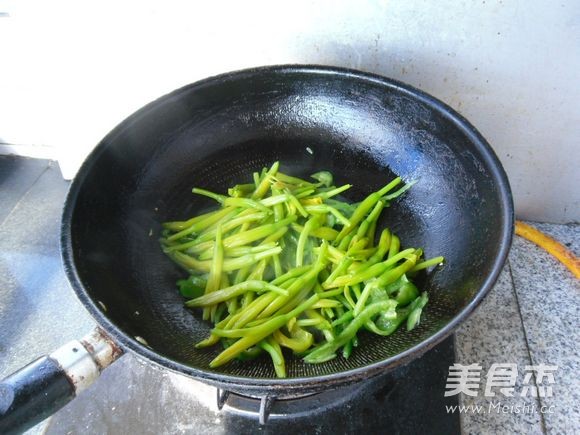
(229, 264)
(394, 247)
(388, 277)
(215, 273)
(399, 192)
(296, 286)
(294, 201)
(328, 209)
(299, 342)
(389, 326)
(308, 227)
(277, 266)
(232, 202)
(251, 311)
(367, 204)
(371, 272)
(241, 190)
(292, 180)
(340, 269)
(258, 272)
(427, 263)
(327, 351)
(348, 296)
(264, 185)
(251, 336)
(372, 217)
(246, 237)
(344, 243)
(182, 225)
(202, 224)
(273, 348)
(239, 251)
(227, 226)
(334, 192)
(324, 177)
(278, 208)
(265, 288)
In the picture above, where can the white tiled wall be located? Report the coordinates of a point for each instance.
(70, 70)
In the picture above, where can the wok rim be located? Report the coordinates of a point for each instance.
(269, 385)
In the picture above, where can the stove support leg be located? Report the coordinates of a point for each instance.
(265, 406)
(222, 397)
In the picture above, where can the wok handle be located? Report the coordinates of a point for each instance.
(41, 388)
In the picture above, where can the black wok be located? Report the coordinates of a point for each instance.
(364, 128)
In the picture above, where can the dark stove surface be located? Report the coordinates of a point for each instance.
(133, 397)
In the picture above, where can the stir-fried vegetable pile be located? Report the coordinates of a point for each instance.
(283, 263)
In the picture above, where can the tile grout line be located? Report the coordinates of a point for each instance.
(455, 359)
(24, 194)
(539, 399)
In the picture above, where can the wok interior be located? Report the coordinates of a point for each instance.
(215, 134)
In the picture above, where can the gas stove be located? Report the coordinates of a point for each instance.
(135, 397)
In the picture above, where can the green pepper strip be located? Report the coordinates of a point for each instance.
(415, 314)
(324, 177)
(406, 294)
(386, 278)
(343, 319)
(327, 351)
(299, 342)
(326, 303)
(391, 325)
(273, 348)
(347, 349)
